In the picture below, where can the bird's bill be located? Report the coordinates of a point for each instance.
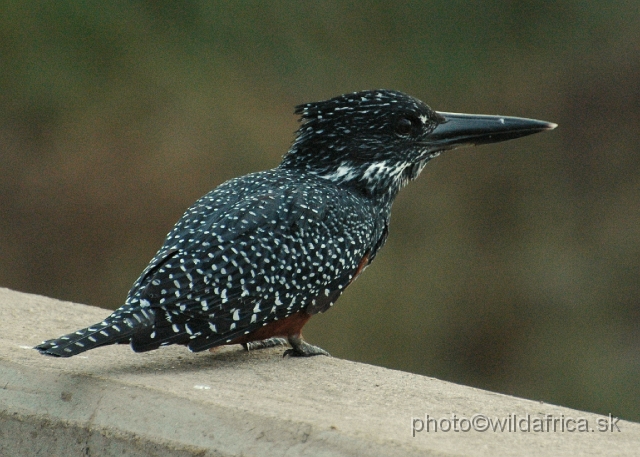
(472, 129)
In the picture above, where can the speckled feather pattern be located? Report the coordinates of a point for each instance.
(261, 247)
(256, 249)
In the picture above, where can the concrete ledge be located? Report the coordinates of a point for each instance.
(111, 401)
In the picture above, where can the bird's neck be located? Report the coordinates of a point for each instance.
(380, 180)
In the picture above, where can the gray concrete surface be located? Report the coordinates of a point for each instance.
(111, 401)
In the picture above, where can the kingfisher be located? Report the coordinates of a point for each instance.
(251, 261)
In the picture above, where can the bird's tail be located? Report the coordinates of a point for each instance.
(117, 328)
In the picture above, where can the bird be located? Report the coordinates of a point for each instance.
(254, 259)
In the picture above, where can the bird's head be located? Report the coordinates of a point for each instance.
(378, 140)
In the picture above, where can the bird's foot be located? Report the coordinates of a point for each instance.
(263, 344)
(300, 348)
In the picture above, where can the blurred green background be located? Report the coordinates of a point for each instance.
(513, 267)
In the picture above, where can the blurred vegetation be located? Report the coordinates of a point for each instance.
(514, 267)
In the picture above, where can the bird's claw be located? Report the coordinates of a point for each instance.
(300, 348)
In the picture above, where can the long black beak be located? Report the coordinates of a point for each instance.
(458, 130)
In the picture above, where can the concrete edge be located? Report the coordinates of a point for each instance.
(171, 402)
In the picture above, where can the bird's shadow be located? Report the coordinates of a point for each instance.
(175, 361)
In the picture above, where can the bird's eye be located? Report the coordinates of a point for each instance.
(404, 126)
